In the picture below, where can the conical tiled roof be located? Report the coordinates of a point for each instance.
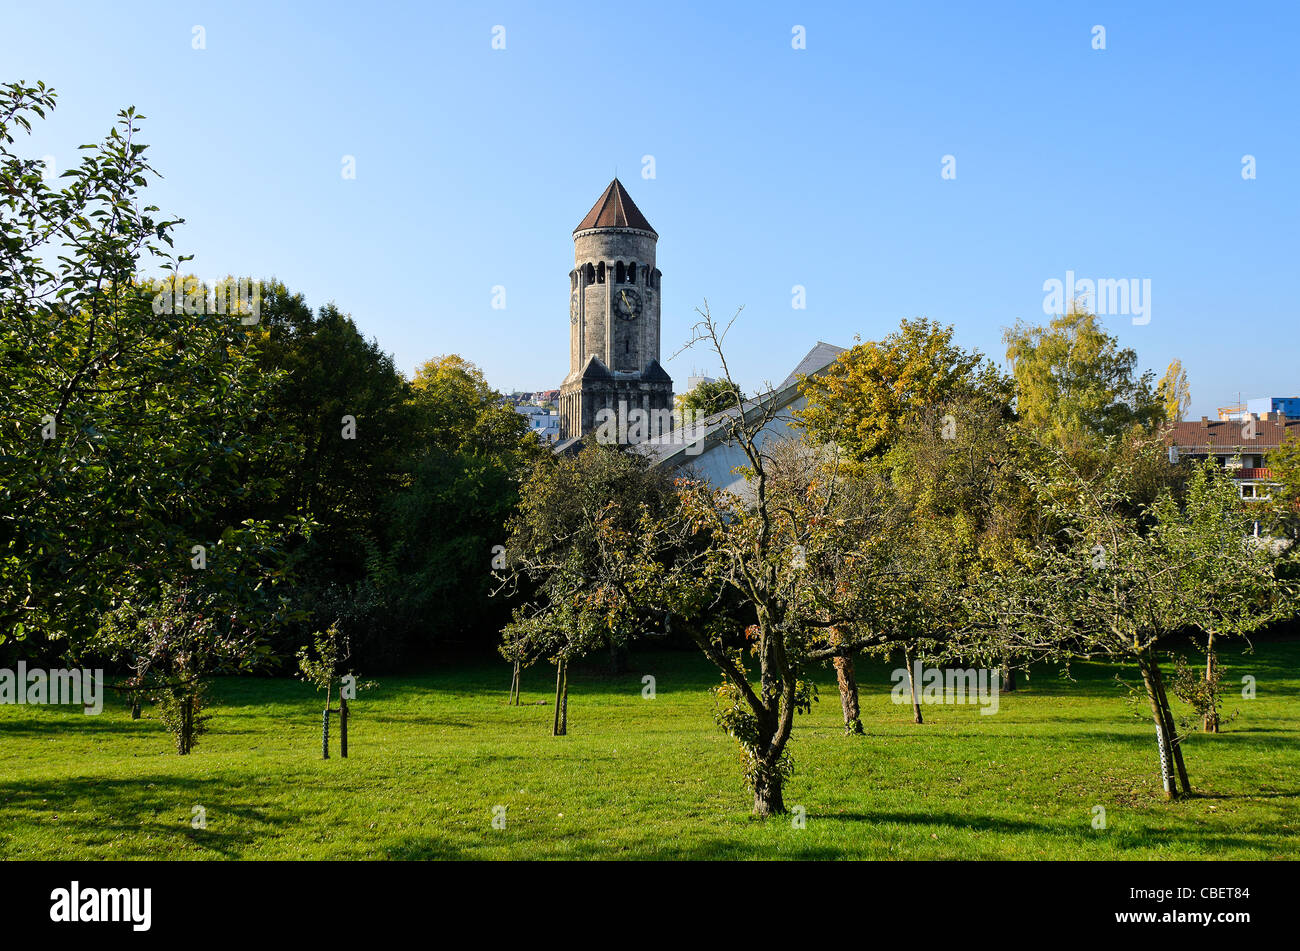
(615, 209)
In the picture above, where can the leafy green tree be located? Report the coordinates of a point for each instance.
(900, 389)
(957, 474)
(409, 483)
(462, 472)
(1076, 385)
(344, 416)
(562, 556)
(709, 397)
(863, 400)
(462, 412)
(1119, 585)
(432, 569)
(729, 544)
(324, 664)
(1230, 587)
(1284, 461)
(201, 624)
(764, 548)
(127, 425)
(320, 665)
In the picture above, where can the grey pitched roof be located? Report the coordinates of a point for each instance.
(570, 446)
(717, 428)
(712, 428)
(818, 358)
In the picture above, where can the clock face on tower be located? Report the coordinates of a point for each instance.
(627, 304)
(573, 307)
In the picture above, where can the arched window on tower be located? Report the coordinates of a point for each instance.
(631, 273)
(600, 273)
(619, 273)
(589, 273)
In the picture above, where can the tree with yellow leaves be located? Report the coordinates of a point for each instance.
(864, 399)
(1075, 385)
(1174, 392)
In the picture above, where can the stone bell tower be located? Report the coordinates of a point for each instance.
(613, 317)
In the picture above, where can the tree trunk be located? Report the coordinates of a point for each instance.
(514, 685)
(1211, 722)
(1174, 742)
(911, 683)
(767, 792)
(617, 658)
(561, 726)
(1008, 677)
(325, 725)
(343, 726)
(1163, 745)
(135, 707)
(848, 684)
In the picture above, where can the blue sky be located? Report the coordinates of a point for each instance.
(774, 167)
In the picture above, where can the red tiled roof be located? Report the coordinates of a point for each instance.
(615, 209)
(1226, 435)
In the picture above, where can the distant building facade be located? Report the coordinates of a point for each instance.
(1288, 406)
(539, 398)
(543, 421)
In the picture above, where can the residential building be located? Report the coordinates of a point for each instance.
(543, 421)
(1240, 444)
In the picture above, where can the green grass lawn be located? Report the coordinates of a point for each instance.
(636, 778)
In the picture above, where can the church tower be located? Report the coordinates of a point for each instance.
(613, 317)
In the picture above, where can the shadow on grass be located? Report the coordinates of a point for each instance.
(113, 813)
(146, 728)
(420, 849)
(407, 720)
(1147, 833)
(1279, 794)
(45, 726)
(1276, 739)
